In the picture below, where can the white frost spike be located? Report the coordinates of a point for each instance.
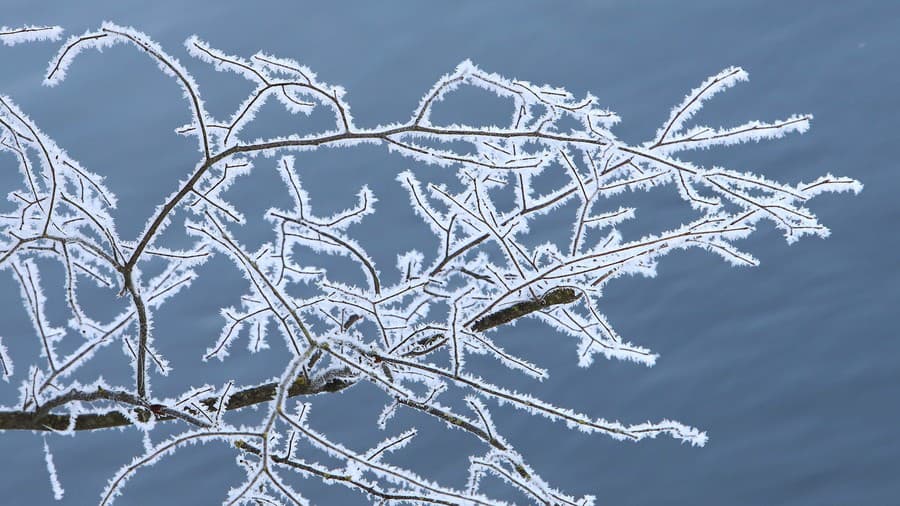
(28, 396)
(694, 100)
(285, 66)
(829, 183)
(731, 254)
(287, 95)
(13, 36)
(704, 137)
(59, 66)
(168, 447)
(390, 445)
(257, 341)
(111, 34)
(419, 202)
(27, 274)
(508, 468)
(264, 68)
(444, 85)
(292, 182)
(255, 317)
(597, 336)
(610, 219)
(483, 415)
(58, 490)
(324, 235)
(244, 115)
(481, 343)
(222, 62)
(410, 264)
(302, 411)
(387, 413)
(97, 338)
(178, 276)
(146, 439)
(6, 364)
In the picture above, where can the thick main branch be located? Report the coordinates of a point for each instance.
(42, 420)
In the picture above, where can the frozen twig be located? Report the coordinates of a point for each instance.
(489, 266)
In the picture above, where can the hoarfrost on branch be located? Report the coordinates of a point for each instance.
(408, 333)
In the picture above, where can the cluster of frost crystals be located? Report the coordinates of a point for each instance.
(409, 333)
(13, 36)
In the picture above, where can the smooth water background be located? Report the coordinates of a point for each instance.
(791, 367)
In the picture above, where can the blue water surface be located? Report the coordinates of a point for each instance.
(791, 367)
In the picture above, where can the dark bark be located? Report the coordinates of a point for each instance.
(520, 309)
(42, 421)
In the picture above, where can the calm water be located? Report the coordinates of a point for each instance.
(791, 367)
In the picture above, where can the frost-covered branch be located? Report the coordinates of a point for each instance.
(408, 331)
